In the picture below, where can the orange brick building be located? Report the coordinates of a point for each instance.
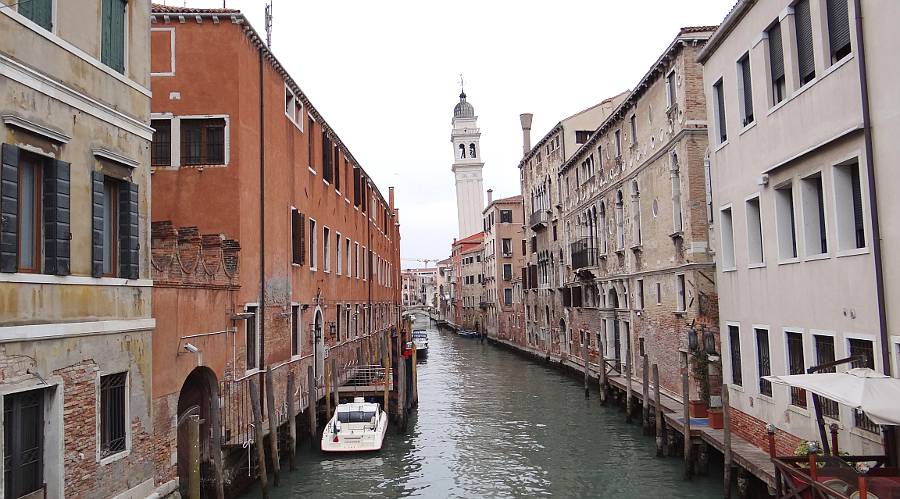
(239, 150)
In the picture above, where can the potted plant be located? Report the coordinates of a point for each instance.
(716, 418)
(700, 371)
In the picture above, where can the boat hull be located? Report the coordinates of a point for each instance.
(350, 441)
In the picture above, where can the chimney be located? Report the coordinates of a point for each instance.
(490, 196)
(525, 119)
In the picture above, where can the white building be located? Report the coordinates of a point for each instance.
(467, 166)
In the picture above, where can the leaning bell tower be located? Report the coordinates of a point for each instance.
(467, 166)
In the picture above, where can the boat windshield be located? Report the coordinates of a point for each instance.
(356, 416)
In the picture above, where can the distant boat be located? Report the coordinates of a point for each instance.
(420, 339)
(356, 427)
(468, 334)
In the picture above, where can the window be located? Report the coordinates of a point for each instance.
(112, 414)
(620, 221)
(507, 272)
(41, 12)
(796, 365)
(618, 137)
(659, 293)
(634, 138)
(507, 296)
(582, 136)
(338, 253)
(681, 304)
(310, 143)
(250, 337)
(639, 303)
(754, 233)
(337, 168)
(763, 364)
(719, 93)
(115, 227)
(290, 104)
(816, 242)
(296, 329)
(838, 29)
(347, 254)
(849, 207)
(506, 216)
(326, 249)
(677, 218)
(327, 157)
(865, 349)
(787, 230)
(746, 90)
(23, 442)
(670, 90)
(506, 246)
(734, 342)
(727, 225)
(356, 260)
(338, 316)
(112, 45)
(806, 62)
(298, 237)
(776, 63)
(202, 141)
(365, 267)
(825, 354)
(110, 225)
(636, 213)
(472, 151)
(161, 148)
(30, 196)
(313, 246)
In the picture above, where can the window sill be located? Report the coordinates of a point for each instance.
(115, 457)
(767, 399)
(800, 411)
(637, 248)
(789, 261)
(853, 252)
(747, 127)
(759, 265)
(834, 67)
(678, 234)
(729, 269)
(720, 146)
(820, 256)
(313, 269)
(679, 313)
(26, 278)
(311, 170)
(737, 388)
(865, 434)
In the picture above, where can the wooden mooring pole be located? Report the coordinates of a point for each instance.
(601, 376)
(726, 419)
(193, 456)
(658, 416)
(311, 406)
(628, 394)
(335, 383)
(587, 361)
(386, 362)
(273, 427)
(645, 401)
(292, 422)
(686, 423)
(415, 381)
(328, 411)
(258, 436)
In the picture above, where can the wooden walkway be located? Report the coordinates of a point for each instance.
(745, 454)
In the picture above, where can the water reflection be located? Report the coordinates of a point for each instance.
(491, 424)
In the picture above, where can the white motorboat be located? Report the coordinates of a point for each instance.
(356, 427)
(420, 340)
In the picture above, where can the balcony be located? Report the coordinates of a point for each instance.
(538, 219)
(484, 305)
(583, 255)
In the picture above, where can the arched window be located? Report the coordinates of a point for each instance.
(462, 151)
(677, 219)
(472, 151)
(636, 212)
(602, 226)
(620, 221)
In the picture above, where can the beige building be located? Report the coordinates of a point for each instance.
(792, 173)
(538, 174)
(503, 257)
(75, 325)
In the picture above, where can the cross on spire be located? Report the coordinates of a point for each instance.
(461, 84)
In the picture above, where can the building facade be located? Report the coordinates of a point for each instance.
(544, 263)
(240, 150)
(503, 257)
(466, 286)
(793, 206)
(76, 323)
(639, 270)
(467, 167)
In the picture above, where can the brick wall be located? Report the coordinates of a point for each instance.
(754, 431)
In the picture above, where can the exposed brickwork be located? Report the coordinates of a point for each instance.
(754, 431)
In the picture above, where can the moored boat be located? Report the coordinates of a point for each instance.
(420, 340)
(359, 426)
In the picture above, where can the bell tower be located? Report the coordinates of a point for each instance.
(467, 166)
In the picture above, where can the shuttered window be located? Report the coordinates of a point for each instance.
(776, 63)
(112, 50)
(39, 11)
(114, 227)
(806, 61)
(298, 237)
(720, 111)
(838, 29)
(746, 90)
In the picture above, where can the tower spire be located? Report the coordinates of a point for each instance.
(462, 89)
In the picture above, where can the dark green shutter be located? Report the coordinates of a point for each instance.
(776, 52)
(112, 46)
(56, 217)
(805, 59)
(39, 11)
(748, 89)
(129, 260)
(838, 27)
(97, 224)
(9, 208)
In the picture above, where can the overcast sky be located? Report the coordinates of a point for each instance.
(386, 76)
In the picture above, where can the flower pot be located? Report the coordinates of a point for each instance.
(697, 408)
(716, 419)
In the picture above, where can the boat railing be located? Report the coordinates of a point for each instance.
(368, 375)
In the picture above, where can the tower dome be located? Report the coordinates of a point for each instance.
(463, 109)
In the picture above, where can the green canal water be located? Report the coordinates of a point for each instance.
(493, 424)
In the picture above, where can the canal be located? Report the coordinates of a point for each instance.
(493, 424)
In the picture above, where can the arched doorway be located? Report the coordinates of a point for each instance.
(197, 393)
(320, 345)
(563, 335)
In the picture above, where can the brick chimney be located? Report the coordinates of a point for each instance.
(525, 119)
(490, 196)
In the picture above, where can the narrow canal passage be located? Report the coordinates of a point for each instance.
(493, 424)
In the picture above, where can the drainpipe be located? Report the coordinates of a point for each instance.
(889, 431)
(262, 217)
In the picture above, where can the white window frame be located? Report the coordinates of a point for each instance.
(811, 252)
(783, 258)
(732, 265)
(313, 245)
(347, 254)
(762, 237)
(768, 330)
(175, 136)
(99, 415)
(339, 253)
(257, 339)
(326, 249)
(670, 98)
(727, 348)
(680, 293)
(356, 259)
(786, 358)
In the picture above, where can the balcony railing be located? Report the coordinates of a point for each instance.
(583, 255)
(538, 219)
